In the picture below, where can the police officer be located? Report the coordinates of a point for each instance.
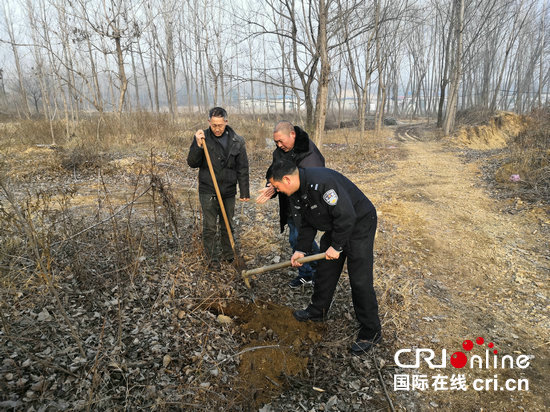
(323, 199)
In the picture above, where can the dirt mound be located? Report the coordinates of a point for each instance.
(274, 352)
(492, 135)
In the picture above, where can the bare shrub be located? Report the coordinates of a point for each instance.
(81, 157)
(473, 116)
(530, 151)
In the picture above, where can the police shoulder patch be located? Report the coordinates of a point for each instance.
(330, 197)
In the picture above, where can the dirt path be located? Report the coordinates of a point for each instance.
(482, 271)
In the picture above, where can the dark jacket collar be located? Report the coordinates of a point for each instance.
(301, 144)
(303, 182)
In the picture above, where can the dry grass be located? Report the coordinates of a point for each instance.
(113, 214)
(524, 150)
(110, 216)
(530, 154)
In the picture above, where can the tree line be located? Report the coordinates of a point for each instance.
(361, 58)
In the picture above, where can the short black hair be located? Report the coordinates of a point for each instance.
(280, 168)
(217, 112)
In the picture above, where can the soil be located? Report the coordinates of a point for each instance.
(484, 270)
(453, 262)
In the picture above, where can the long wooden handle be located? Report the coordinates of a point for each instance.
(219, 196)
(281, 265)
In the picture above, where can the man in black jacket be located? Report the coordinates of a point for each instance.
(293, 144)
(328, 201)
(227, 152)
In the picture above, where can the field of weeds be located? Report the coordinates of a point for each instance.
(108, 304)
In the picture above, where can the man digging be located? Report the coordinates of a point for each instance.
(230, 166)
(323, 199)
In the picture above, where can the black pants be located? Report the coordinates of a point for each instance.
(359, 253)
(211, 217)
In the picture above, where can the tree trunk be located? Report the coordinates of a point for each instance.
(541, 58)
(136, 77)
(324, 78)
(22, 89)
(252, 97)
(445, 71)
(145, 76)
(171, 68)
(450, 115)
(381, 94)
(121, 74)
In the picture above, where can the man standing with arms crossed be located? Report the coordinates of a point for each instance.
(230, 163)
(294, 145)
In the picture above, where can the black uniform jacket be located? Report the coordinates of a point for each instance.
(230, 164)
(303, 154)
(330, 202)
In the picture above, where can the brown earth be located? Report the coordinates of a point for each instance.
(455, 264)
(483, 273)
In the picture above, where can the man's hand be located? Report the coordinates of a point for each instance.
(244, 199)
(199, 137)
(265, 194)
(332, 254)
(297, 255)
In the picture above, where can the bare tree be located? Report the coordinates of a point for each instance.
(324, 76)
(519, 18)
(169, 55)
(40, 71)
(87, 53)
(115, 21)
(14, 47)
(542, 40)
(456, 67)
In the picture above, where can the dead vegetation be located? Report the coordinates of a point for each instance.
(107, 304)
(516, 153)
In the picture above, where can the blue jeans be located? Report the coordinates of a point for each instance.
(307, 270)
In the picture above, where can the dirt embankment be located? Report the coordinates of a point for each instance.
(493, 134)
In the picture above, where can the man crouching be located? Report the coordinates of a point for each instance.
(323, 199)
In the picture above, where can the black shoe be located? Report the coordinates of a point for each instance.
(305, 315)
(228, 260)
(300, 281)
(214, 265)
(364, 345)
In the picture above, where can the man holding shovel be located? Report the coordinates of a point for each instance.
(224, 157)
(328, 201)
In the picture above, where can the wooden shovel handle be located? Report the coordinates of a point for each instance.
(219, 196)
(281, 265)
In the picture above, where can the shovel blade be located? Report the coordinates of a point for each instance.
(239, 263)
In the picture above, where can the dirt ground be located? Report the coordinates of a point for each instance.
(453, 263)
(484, 270)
